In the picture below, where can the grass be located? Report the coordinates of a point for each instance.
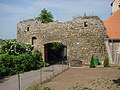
(80, 87)
(104, 83)
(38, 88)
(34, 88)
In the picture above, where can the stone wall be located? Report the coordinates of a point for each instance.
(83, 36)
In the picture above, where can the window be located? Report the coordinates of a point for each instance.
(28, 28)
(85, 24)
(34, 40)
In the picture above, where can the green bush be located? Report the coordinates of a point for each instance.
(17, 57)
(92, 63)
(38, 62)
(47, 88)
(34, 88)
(118, 67)
(10, 64)
(15, 48)
(106, 61)
(38, 88)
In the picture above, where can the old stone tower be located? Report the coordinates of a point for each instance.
(83, 36)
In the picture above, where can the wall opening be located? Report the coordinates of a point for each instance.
(34, 40)
(85, 24)
(28, 28)
(55, 53)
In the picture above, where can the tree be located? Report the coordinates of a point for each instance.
(92, 63)
(16, 57)
(15, 48)
(106, 61)
(45, 16)
(55, 49)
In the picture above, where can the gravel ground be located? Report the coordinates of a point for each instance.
(99, 78)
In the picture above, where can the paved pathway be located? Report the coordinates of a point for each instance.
(30, 78)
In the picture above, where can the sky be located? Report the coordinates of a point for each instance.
(13, 11)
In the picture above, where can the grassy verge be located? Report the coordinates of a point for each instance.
(96, 84)
(38, 88)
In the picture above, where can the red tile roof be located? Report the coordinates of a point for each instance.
(112, 25)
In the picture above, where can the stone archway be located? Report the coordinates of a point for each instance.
(55, 52)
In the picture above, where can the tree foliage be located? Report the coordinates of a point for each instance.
(15, 48)
(54, 50)
(45, 16)
(1, 41)
(17, 58)
(55, 46)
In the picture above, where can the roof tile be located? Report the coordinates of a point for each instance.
(112, 25)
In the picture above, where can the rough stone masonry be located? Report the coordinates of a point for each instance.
(84, 36)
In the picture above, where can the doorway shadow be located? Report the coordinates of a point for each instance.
(55, 53)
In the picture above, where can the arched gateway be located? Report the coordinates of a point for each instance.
(83, 36)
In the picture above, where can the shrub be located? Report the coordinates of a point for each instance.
(17, 58)
(92, 63)
(38, 88)
(34, 88)
(106, 61)
(47, 88)
(118, 67)
(12, 64)
(38, 62)
(15, 48)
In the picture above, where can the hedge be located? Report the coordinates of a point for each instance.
(11, 64)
